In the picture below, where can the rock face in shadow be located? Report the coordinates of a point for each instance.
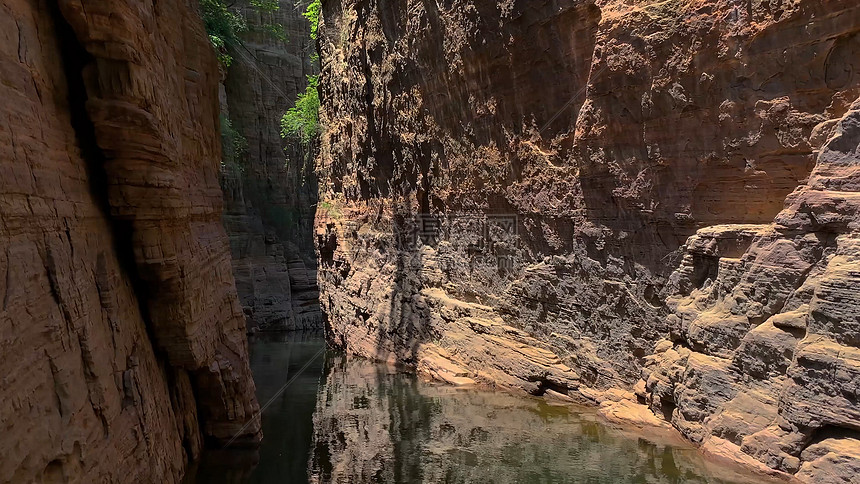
(123, 338)
(610, 201)
(270, 197)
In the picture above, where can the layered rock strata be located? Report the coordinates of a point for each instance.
(275, 279)
(682, 182)
(271, 196)
(123, 339)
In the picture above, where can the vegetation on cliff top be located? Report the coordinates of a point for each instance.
(223, 27)
(224, 24)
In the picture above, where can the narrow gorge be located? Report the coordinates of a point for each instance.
(270, 189)
(543, 240)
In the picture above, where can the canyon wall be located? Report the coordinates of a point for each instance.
(123, 339)
(652, 207)
(270, 194)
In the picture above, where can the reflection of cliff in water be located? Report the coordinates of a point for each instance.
(375, 424)
(287, 370)
(346, 420)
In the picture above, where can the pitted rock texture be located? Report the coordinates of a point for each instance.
(271, 196)
(684, 181)
(123, 338)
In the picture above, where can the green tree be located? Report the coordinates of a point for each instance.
(223, 27)
(303, 120)
(312, 13)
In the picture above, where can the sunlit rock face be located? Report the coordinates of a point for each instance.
(270, 197)
(376, 424)
(683, 180)
(123, 340)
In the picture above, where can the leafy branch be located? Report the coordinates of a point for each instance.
(225, 25)
(312, 13)
(303, 120)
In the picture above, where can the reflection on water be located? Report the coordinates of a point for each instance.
(287, 421)
(347, 420)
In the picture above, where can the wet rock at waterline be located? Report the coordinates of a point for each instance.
(376, 424)
(651, 207)
(343, 419)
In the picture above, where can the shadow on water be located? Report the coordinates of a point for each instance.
(348, 420)
(276, 358)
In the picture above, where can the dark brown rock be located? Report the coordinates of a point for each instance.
(684, 181)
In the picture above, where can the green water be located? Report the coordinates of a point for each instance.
(347, 420)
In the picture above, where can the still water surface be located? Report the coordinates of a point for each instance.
(347, 420)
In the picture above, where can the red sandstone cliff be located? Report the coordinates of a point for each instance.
(123, 340)
(684, 181)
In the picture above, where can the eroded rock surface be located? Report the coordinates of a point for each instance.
(271, 195)
(123, 340)
(684, 180)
